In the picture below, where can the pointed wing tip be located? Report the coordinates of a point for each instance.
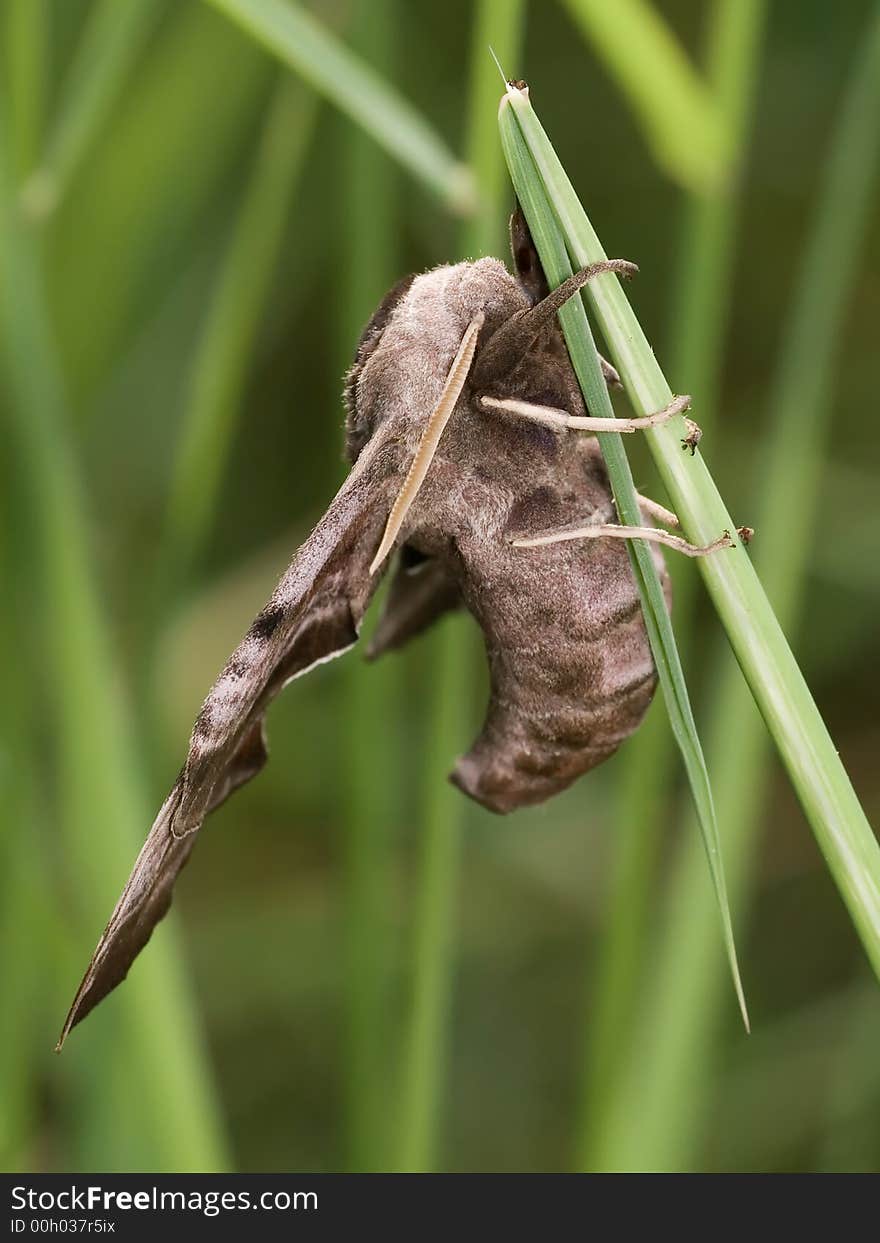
(69, 1024)
(75, 1015)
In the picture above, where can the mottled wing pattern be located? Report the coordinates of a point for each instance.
(313, 615)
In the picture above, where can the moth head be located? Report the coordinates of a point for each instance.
(408, 347)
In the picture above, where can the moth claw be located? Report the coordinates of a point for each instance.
(693, 437)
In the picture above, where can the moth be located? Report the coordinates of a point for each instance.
(465, 436)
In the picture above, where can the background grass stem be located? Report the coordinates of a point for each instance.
(372, 799)
(453, 652)
(226, 344)
(681, 1010)
(552, 248)
(812, 761)
(112, 37)
(323, 61)
(173, 1115)
(701, 308)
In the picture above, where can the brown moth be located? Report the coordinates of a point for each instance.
(460, 409)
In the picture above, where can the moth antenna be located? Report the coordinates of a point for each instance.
(427, 446)
(657, 511)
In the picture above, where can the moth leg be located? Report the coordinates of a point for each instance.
(550, 416)
(661, 514)
(657, 511)
(610, 530)
(610, 372)
(421, 591)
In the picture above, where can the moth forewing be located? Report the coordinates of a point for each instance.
(314, 613)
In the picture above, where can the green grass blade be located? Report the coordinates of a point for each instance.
(676, 1041)
(426, 1043)
(113, 36)
(225, 347)
(499, 25)
(24, 956)
(676, 109)
(372, 786)
(552, 249)
(796, 1061)
(24, 43)
(824, 789)
(701, 307)
(151, 180)
(170, 1120)
(426, 1039)
(702, 298)
(23, 962)
(322, 60)
(24, 906)
(850, 1140)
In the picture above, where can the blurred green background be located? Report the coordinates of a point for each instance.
(201, 201)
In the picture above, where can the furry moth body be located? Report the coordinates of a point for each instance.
(570, 666)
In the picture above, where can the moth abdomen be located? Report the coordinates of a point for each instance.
(572, 673)
(536, 742)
